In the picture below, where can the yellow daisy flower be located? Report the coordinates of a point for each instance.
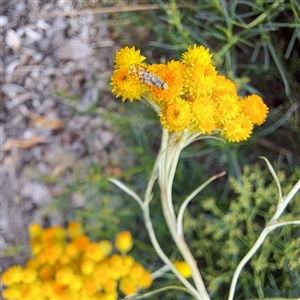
(254, 108)
(199, 81)
(226, 98)
(176, 115)
(238, 129)
(196, 55)
(128, 56)
(183, 268)
(123, 241)
(171, 74)
(204, 110)
(127, 86)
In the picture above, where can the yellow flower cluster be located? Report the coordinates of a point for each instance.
(188, 94)
(67, 265)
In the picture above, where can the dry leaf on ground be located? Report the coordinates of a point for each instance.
(45, 123)
(23, 143)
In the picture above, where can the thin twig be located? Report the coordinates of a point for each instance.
(104, 10)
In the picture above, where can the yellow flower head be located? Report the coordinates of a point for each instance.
(226, 99)
(199, 81)
(94, 252)
(171, 74)
(106, 247)
(81, 242)
(238, 129)
(127, 86)
(46, 272)
(128, 286)
(52, 235)
(12, 275)
(176, 115)
(188, 94)
(89, 287)
(102, 273)
(183, 268)
(64, 275)
(203, 110)
(123, 241)
(128, 56)
(35, 230)
(29, 275)
(12, 292)
(145, 280)
(74, 230)
(53, 253)
(87, 266)
(196, 55)
(255, 109)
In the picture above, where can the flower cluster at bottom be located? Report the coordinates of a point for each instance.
(67, 265)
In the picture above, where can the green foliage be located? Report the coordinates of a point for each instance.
(220, 234)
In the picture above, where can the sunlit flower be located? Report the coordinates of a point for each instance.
(53, 235)
(64, 275)
(72, 250)
(106, 247)
(128, 56)
(127, 86)
(12, 292)
(171, 74)
(136, 271)
(74, 230)
(36, 245)
(196, 55)
(123, 241)
(81, 242)
(183, 268)
(238, 129)
(12, 275)
(127, 286)
(94, 252)
(35, 230)
(115, 263)
(204, 110)
(145, 280)
(176, 115)
(87, 266)
(76, 283)
(46, 272)
(199, 81)
(102, 272)
(109, 285)
(254, 108)
(29, 275)
(89, 286)
(226, 98)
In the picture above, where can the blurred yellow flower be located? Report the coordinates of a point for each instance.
(74, 230)
(183, 268)
(123, 241)
(35, 230)
(12, 275)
